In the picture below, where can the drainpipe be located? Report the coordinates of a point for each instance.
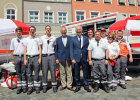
(23, 11)
(71, 11)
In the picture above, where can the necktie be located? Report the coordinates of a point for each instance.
(80, 40)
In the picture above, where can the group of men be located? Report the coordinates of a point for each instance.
(32, 54)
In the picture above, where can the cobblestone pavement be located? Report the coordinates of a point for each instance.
(131, 93)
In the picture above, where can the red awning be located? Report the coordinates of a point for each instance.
(24, 27)
(120, 25)
(133, 18)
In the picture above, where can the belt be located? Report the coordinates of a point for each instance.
(97, 59)
(19, 55)
(45, 55)
(32, 56)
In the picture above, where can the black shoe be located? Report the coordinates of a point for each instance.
(54, 89)
(44, 90)
(87, 89)
(76, 90)
(37, 91)
(123, 86)
(70, 88)
(96, 87)
(29, 92)
(19, 91)
(24, 90)
(114, 88)
(106, 88)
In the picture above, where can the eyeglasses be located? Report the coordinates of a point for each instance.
(110, 38)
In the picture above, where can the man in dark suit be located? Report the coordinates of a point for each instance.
(62, 53)
(79, 55)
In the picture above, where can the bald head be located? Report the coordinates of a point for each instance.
(63, 31)
(79, 30)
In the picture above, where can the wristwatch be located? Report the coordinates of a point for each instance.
(106, 59)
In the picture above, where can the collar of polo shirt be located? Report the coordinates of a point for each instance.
(19, 38)
(98, 40)
(48, 37)
(32, 37)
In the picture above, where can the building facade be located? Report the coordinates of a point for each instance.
(11, 9)
(84, 9)
(47, 12)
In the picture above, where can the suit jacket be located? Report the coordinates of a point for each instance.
(62, 53)
(76, 52)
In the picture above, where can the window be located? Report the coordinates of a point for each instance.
(48, 17)
(132, 2)
(34, 16)
(79, 0)
(132, 15)
(94, 14)
(107, 1)
(121, 2)
(80, 15)
(107, 13)
(94, 1)
(62, 17)
(10, 14)
(138, 2)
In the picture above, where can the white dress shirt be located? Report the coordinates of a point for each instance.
(17, 46)
(32, 44)
(113, 49)
(48, 44)
(81, 40)
(105, 39)
(64, 40)
(91, 40)
(98, 52)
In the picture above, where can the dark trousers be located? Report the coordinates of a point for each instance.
(48, 63)
(33, 66)
(90, 74)
(99, 71)
(123, 66)
(85, 73)
(20, 71)
(113, 73)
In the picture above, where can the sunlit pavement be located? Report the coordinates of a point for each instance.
(131, 93)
